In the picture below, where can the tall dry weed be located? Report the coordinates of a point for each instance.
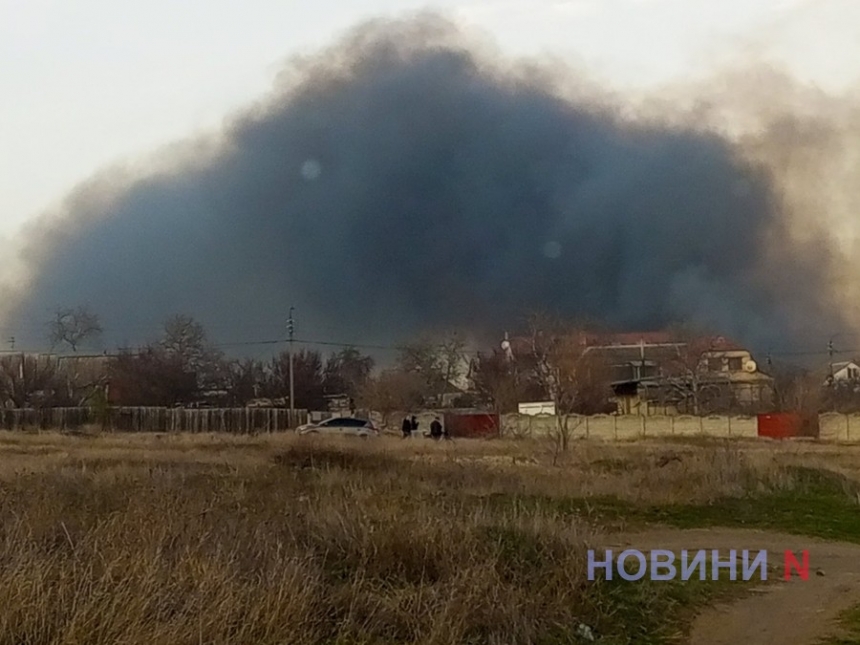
(127, 540)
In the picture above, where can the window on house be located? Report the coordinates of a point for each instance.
(736, 364)
(715, 364)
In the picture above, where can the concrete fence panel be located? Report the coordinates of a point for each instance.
(743, 427)
(511, 426)
(852, 422)
(659, 425)
(833, 427)
(601, 427)
(544, 425)
(715, 426)
(577, 426)
(687, 426)
(629, 427)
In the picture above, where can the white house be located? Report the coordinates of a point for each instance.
(843, 372)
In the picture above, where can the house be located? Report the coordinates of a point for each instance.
(659, 373)
(448, 393)
(844, 372)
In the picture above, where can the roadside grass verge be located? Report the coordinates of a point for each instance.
(849, 622)
(818, 503)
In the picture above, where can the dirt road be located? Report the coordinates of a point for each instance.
(791, 612)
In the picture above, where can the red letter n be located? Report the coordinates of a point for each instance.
(791, 561)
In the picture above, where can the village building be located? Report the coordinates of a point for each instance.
(661, 373)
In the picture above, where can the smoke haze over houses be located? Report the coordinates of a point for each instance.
(409, 178)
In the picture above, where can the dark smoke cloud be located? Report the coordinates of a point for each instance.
(404, 181)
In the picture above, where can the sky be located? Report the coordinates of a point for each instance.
(88, 84)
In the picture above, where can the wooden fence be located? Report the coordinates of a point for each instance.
(151, 419)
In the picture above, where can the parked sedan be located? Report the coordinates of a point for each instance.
(344, 426)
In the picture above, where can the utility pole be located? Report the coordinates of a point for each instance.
(290, 329)
(830, 352)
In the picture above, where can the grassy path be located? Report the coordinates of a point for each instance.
(793, 612)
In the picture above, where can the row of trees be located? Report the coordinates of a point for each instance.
(185, 367)
(182, 367)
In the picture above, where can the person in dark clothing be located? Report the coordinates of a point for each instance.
(436, 429)
(406, 427)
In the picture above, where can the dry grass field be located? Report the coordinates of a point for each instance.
(172, 540)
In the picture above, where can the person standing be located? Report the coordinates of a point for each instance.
(436, 429)
(406, 427)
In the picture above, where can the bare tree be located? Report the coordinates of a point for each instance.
(245, 381)
(185, 342)
(799, 390)
(308, 378)
(29, 381)
(500, 382)
(73, 327)
(451, 357)
(392, 391)
(695, 388)
(437, 363)
(420, 356)
(150, 377)
(346, 372)
(85, 378)
(573, 379)
(186, 339)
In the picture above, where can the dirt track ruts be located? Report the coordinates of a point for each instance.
(794, 612)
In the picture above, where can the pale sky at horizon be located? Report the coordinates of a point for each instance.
(109, 80)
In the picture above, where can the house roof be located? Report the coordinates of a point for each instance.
(618, 355)
(718, 343)
(841, 365)
(651, 339)
(636, 337)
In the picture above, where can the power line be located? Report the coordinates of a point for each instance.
(829, 350)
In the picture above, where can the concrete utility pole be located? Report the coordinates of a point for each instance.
(290, 329)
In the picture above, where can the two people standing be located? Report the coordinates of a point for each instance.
(409, 426)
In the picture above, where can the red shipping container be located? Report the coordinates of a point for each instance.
(784, 425)
(472, 425)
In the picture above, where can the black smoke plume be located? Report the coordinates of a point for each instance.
(403, 181)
